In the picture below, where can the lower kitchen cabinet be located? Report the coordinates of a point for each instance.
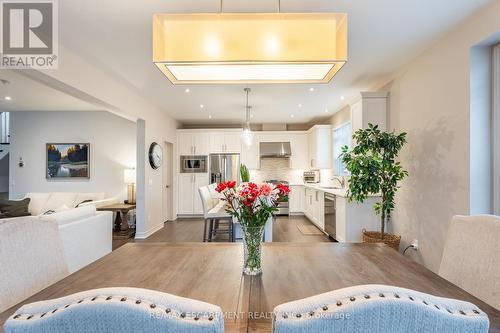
(296, 199)
(315, 207)
(189, 202)
(352, 218)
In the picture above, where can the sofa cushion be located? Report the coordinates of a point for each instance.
(57, 199)
(37, 202)
(70, 215)
(14, 208)
(81, 197)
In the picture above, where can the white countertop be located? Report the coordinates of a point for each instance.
(341, 192)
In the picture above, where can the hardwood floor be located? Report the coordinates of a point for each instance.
(191, 230)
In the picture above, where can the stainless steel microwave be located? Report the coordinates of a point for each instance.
(194, 164)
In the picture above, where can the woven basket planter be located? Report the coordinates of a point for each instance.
(375, 237)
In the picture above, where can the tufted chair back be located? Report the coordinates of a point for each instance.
(378, 309)
(471, 256)
(121, 310)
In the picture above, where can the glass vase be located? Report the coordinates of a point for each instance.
(252, 244)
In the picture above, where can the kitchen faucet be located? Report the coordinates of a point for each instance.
(340, 180)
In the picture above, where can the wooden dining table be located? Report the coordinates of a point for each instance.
(212, 272)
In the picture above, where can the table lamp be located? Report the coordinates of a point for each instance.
(129, 179)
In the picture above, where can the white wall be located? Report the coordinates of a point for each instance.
(94, 83)
(430, 100)
(112, 149)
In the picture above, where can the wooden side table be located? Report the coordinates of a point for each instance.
(122, 231)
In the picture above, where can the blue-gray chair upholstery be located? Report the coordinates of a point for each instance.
(117, 310)
(378, 308)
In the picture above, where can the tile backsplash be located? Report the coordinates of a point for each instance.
(276, 168)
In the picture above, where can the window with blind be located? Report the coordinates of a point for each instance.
(341, 137)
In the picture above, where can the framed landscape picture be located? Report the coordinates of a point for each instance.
(68, 160)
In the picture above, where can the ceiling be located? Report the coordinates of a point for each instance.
(384, 36)
(27, 94)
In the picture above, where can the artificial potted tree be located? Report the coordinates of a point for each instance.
(374, 170)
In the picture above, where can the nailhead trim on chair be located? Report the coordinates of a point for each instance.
(183, 315)
(339, 303)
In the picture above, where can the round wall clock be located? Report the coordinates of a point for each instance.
(155, 155)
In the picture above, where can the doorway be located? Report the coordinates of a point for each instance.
(167, 193)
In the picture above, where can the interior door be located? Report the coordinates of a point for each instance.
(168, 167)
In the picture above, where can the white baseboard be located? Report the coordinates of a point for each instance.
(144, 235)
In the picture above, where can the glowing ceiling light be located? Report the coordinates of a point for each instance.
(250, 48)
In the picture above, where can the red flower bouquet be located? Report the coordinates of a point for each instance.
(252, 205)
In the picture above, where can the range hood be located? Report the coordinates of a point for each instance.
(275, 149)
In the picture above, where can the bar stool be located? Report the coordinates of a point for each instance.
(213, 214)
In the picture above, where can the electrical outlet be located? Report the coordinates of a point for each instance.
(414, 244)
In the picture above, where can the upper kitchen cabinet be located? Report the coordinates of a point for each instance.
(371, 109)
(225, 141)
(320, 147)
(193, 143)
(300, 151)
(250, 155)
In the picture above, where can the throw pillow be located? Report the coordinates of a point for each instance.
(84, 201)
(14, 208)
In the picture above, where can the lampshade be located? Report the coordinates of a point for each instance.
(250, 48)
(129, 176)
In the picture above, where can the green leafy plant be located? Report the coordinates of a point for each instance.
(373, 168)
(244, 173)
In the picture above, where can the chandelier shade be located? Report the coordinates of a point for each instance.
(250, 48)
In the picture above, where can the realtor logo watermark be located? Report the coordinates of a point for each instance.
(29, 36)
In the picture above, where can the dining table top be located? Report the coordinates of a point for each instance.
(212, 272)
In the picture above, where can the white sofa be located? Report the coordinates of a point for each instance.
(41, 203)
(84, 235)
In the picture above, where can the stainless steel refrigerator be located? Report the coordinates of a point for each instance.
(224, 167)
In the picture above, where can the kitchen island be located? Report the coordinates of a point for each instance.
(349, 218)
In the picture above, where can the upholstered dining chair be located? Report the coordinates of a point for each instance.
(471, 256)
(213, 213)
(121, 310)
(378, 309)
(31, 258)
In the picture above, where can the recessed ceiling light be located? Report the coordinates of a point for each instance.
(311, 89)
(300, 105)
(209, 116)
(342, 98)
(187, 90)
(202, 106)
(292, 116)
(8, 98)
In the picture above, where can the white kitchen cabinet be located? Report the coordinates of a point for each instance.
(352, 218)
(233, 141)
(315, 207)
(225, 142)
(300, 151)
(296, 199)
(189, 202)
(319, 209)
(185, 194)
(320, 147)
(193, 143)
(371, 109)
(200, 179)
(250, 155)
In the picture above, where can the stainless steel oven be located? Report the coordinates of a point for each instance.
(330, 218)
(194, 164)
